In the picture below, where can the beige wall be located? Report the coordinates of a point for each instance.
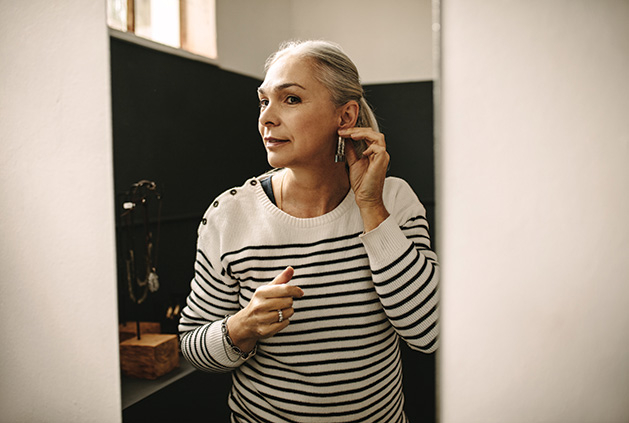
(533, 197)
(59, 358)
(248, 31)
(389, 41)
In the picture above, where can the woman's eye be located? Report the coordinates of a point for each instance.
(291, 99)
(263, 103)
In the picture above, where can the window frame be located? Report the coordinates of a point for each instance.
(130, 36)
(145, 42)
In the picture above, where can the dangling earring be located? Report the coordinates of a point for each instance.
(340, 150)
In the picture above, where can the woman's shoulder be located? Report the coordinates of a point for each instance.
(238, 198)
(395, 186)
(400, 198)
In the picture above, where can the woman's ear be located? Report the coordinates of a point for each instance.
(348, 114)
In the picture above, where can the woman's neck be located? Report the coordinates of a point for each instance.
(307, 193)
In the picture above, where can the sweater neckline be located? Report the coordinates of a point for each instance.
(304, 222)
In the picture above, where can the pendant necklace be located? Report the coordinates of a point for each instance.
(139, 194)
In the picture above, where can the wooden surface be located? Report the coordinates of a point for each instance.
(150, 357)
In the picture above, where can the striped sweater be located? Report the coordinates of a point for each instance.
(339, 359)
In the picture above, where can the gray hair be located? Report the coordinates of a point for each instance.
(335, 70)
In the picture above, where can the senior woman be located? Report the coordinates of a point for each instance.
(306, 277)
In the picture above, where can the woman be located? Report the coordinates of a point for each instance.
(306, 277)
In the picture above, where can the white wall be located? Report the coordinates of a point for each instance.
(248, 31)
(59, 358)
(533, 197)
(389, 41)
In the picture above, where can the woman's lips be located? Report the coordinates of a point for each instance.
(273, 142)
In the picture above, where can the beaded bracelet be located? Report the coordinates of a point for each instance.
(227, 340)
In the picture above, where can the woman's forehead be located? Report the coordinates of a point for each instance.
(292, 69)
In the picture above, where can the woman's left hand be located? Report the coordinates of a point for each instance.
(367, 174)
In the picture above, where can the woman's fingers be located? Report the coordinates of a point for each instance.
(279, 304)
(279, 287)
(263, 309)
(375, 158)
(375, 149)
(283, 277)
(260, 319)
(264, 301)
(279, 291)
(273, 324)
(376, 145)
(360, 133)
(287, 313)
(367, 174)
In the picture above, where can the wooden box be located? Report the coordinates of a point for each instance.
(150, 357)
(129, 329)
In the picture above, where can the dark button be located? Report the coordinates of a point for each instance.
(215, 204)
(254, 182)
(204, 221)
(233, 192)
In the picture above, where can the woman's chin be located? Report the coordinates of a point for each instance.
(275, 161)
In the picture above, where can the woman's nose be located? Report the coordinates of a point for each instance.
(268, 116)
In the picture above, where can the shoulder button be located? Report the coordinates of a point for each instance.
(215, 204)
(233, 192)
(254, 182)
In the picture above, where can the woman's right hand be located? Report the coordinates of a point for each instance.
(260, 318)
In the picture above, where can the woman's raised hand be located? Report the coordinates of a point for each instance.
(260, 318)
(367, 174)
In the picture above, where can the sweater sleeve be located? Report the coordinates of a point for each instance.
(405, 271)
(213, 296)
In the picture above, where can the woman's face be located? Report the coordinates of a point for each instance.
(298, 121)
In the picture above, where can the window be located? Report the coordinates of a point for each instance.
(188, 25)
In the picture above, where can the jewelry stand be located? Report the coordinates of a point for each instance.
(130, 329)
(149, 357)
(144, 352)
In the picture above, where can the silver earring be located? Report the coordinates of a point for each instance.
(340, 150)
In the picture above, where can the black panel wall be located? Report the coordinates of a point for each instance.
(405, 116)
(192, 128)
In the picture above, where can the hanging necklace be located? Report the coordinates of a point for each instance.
(139, 194)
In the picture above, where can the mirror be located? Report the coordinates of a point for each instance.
(191, 126)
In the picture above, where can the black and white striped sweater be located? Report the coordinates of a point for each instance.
(339, 359)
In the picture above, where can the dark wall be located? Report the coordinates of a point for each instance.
(192, 128)
(405, 116)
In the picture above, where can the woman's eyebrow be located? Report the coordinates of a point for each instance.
(281, 87)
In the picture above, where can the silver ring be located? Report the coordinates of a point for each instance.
(280, 316)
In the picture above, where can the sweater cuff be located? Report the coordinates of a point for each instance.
(384, 243)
